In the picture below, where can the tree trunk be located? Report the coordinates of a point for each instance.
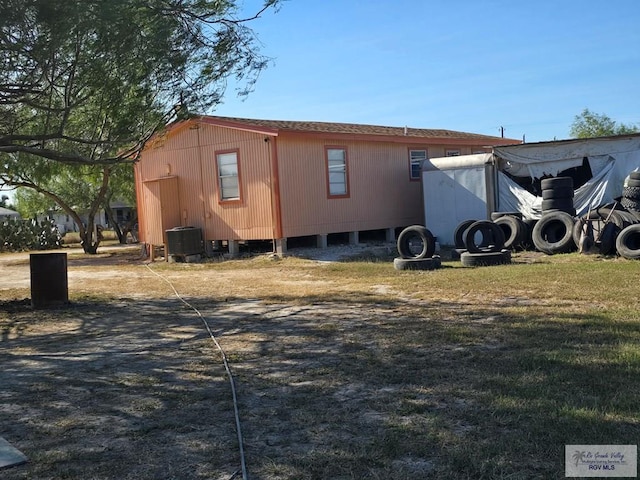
(89, 243)
(122, 238)
(128, 228)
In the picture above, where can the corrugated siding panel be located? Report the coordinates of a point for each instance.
(252, 218)
(190, 156)
(381, 193)
(140, 204)
(161, 211)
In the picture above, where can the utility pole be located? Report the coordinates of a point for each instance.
(502, 132)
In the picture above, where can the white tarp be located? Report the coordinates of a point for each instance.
(611, 159)
(597, 191)
(567, 150)
(451, 184)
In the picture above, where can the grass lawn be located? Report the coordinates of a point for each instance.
(344, 370)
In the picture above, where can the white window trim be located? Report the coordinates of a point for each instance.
(236, 175)
(338, 169)
(414, 161)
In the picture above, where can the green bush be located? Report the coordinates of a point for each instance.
(18, 235)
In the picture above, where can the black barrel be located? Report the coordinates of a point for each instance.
(49, 284)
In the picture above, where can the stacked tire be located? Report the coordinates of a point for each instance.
(631, 194)
(557, 195)
(628, 240)
(416, 246)
(483, 242)
(553, 233)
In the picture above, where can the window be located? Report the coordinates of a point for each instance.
(416, 157)
(228, 177)
(452, 153)
(337, 172)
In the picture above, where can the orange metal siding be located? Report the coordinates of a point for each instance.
(162, 212)
(190, 156)
(381, 194)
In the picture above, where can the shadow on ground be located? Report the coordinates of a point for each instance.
(136, 389)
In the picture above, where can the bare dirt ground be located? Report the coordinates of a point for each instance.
(134, 388)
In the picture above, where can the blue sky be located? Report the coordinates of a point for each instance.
(473, 66)
(467, 65)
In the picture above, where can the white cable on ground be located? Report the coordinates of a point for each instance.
(226, 367)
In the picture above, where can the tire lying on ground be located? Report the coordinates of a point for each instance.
(417, 263)
(515, 231)
(554, 233)
(416, 242)
(485, 259)
(628, 242)
(492, 237)
(458, 240)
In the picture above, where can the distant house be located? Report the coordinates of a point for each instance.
(6, 214)
(65, 223)
(240, 179)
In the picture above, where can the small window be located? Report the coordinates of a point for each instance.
(337, 172)
(416, 157)
(452, 153)
(228, 175)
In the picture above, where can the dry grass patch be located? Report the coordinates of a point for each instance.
(344, 370)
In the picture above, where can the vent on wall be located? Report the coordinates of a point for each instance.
(184, 241)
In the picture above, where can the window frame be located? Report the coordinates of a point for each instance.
(347, 193)
(426, 157)
(238, 176)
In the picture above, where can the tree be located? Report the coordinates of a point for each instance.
(88, 82)
(122, 188)
(589, 124)
(75, 189)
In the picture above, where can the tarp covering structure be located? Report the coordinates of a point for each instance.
(610, 160)
(512, 177)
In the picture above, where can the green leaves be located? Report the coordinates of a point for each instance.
(84, 84)
(89, 81)
(589, 124)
